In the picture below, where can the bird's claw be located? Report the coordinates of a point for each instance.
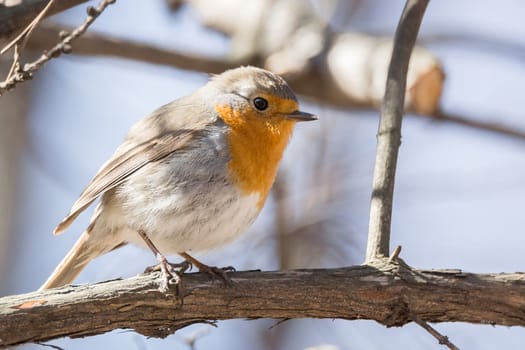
(218, 272)
(171, 273)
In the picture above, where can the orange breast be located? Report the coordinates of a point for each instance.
(256, 147)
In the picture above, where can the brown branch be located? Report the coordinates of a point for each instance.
(62, 47)
(389, 134)
(389, 294)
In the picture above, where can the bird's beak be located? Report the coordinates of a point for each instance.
(301, 116)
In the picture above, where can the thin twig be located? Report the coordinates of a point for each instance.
(62, 47)
(50, 346)
(442, 339)
(279, 322)
(14, 18)
(15, 66)
(282, 220)
(21, 40)
(199, 334)
(22, 37)
(389, 134)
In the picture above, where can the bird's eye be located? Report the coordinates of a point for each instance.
(260, 103)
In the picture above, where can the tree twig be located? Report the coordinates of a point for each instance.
(27, 31)
(388, 296)
(389, 134)
(16, 17)
(20, 40)
(62, 47)
(442, 339)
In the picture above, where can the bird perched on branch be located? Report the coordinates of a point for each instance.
(191, 176)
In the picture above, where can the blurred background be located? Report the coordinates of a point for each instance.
(460, 191)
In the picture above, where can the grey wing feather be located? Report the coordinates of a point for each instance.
(125, 162)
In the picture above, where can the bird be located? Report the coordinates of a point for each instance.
(190, 177)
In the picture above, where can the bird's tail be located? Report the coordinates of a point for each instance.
(78, 257)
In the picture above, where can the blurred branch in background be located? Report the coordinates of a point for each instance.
(13, 111)
(16, 15)
(344, 69)
(309, 228)
(309, 207)
(97, 44)
(341, 69)
(479, 124)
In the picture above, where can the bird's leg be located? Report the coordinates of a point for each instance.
(164, 266)
(213, 271)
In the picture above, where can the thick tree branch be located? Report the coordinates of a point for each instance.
(389, 294)
(389, 134)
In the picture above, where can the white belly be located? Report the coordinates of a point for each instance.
(186, 228)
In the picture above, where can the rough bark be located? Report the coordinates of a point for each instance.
(388, 294)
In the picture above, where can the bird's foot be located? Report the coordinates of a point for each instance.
(171, 273)
(213, 271)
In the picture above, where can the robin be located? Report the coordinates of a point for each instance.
(191, 176)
